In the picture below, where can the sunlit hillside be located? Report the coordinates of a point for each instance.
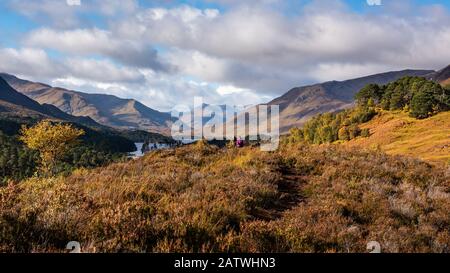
(199, 198)
(397, 133)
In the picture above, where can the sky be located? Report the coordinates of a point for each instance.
(165, 52)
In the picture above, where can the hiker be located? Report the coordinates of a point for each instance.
(239, 143)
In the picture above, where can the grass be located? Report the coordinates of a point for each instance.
(398, 134)
(200, 198)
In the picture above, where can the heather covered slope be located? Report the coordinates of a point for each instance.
(201, 199)
(409, 117)
(398, 134)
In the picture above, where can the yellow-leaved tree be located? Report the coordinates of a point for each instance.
(53, 140)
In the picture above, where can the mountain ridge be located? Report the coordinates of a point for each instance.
(14, 102)
(301, 103)
(297, 105)
(105, 109)
(442, 76)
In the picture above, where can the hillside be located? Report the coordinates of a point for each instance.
(15, 104)
(203, 199)
(100, 144)
(301, 103)
(442, 76)
(12, 97)
(105, 109)
(17, 109)
(398, 134)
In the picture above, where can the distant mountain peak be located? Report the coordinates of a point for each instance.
(105, 109)
(17, 104)
(301, 103)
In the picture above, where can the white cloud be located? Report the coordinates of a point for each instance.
(66, 14)
(261, 49)
(229, 89)
(95, 41)
(36, 64)
(28, 61)
(102, 71)
(251, 51)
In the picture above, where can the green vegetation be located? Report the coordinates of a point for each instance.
(417, 96)
(420, 97)
(330, 127)
(143, 136)
(200, 198)
(16, 161)
(97, 148)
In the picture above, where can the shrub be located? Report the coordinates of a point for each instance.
(344, 134)
(301, 198)
(365, 132)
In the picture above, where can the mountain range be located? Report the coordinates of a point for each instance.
(301, 103)
(296, 106)
(105, 109)
(13, 103)
(16, 109)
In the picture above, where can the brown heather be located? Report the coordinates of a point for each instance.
(204, 199)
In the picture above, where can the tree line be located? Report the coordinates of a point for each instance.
(330, 127)
(418, 96)
(48, 148)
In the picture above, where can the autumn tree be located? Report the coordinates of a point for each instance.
(52, 141)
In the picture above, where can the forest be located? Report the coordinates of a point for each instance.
(417, 96)
(97, 148)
